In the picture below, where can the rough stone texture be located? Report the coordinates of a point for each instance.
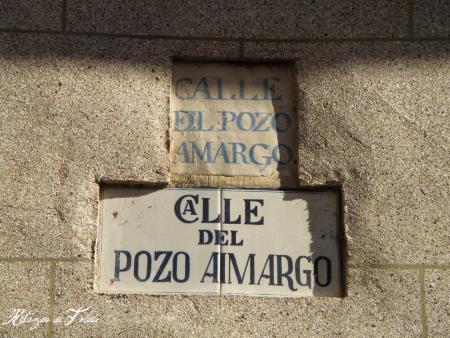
(437, 285)
(31, 14)
(80, 110)
(432, 18)
(380, 303)
(374, 117)
(23, 286)
(249, 19)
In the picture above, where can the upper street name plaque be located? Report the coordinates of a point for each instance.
(218, 242)
(233, 120)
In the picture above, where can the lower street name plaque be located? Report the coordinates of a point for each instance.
(218, 242)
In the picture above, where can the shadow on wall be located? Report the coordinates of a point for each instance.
(160, 51)
(323, 207)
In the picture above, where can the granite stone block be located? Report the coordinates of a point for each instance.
(31, 15)
(379, 303)
(437, 285)
(373, 118)
(432, 18)
(24, 290)
(244, 19)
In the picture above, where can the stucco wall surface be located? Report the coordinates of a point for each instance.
(84, 98)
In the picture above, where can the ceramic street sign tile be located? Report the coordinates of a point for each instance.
(288, 244)
(211, 241)
(233, 119)
(145, 247)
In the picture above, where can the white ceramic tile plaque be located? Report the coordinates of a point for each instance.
(233, 119)
(218, 241)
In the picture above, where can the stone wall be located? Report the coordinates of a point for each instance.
(84, 92)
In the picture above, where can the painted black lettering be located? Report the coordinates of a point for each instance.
(166, 257)
(214, 272)
(240, 277)
(189, 207)
(286, 274)
(176, 271)
(227, 213)
(117, 268)
(317, 278)
(299, 271)
(148, 267)
(205, 214)
(270, 275)
(249, 211)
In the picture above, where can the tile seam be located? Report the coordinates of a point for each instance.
(241, 49)
(423, 304)
(220, 245)
(402, 266)
(64, 15)
(43, 259)
(411, 18)
(363, 266)
(228, 39)
(51, 300)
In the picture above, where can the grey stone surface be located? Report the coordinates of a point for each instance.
(374, 118)
(31, 14)
(432, 18)
(437, 286)
(24, 286)
(75, 111)
(248, 19)
(380, 303)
